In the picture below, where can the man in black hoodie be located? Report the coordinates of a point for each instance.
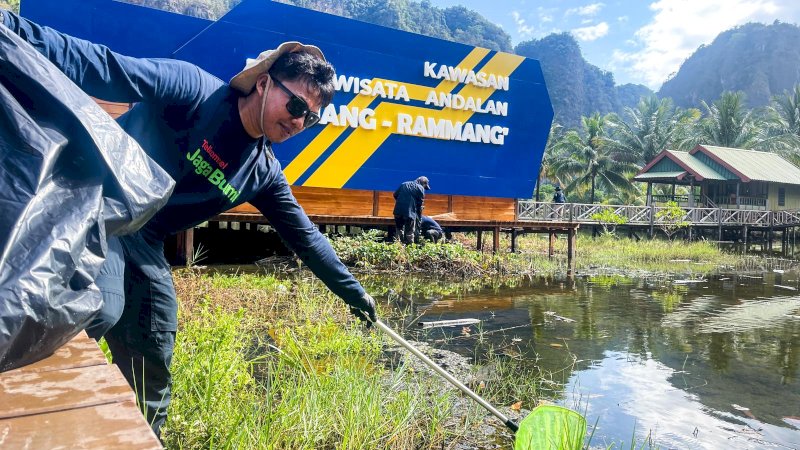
(408, 199)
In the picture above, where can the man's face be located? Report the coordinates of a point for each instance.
(279, 124)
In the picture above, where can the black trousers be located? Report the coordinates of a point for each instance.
(407, 229)
(139, 319)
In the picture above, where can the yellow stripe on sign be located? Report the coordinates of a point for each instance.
(362, 144)
(295, 169)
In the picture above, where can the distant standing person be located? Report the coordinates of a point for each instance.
(408, 199)
(430, 229)
(559, 196)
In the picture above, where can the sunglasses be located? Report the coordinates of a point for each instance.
(298, 107)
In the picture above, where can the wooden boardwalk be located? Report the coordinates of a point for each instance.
(73, 399)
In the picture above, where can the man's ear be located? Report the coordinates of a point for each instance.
(262, 82)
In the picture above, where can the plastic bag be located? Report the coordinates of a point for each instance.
(69, 175)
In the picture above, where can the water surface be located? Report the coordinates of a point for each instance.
(688, 365)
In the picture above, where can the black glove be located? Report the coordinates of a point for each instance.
(364, 309)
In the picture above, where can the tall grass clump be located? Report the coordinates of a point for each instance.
(299, 374)
(648, 255)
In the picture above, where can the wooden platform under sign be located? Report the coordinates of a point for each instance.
(73, 399)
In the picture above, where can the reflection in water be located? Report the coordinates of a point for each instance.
(704, 365)
(627, 392)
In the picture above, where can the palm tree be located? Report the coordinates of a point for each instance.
(651, 127)
(729, 124)
(787, 108)
(551, 154)
(590, 159)
(783, 118)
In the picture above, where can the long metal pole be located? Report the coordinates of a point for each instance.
(508, 422)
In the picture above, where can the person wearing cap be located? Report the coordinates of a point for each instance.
(408, 203)
(214, 138)
(558, 196)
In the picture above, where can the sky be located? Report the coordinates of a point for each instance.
(641, 42)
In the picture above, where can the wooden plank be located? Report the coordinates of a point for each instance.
(484, 208)
(113, 109)
(110, 426)
(349, 202)
(81, 351)
(30, 393)
(337, 202)
(448, 323)
(385, 204)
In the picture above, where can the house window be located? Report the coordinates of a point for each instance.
(781, 196)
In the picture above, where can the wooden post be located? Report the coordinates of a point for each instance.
(652, 219)
(771, 225)
(496, 239)
(783, 242)
(479, 245)
(375, 202)
(650, 193)
(551, 248)
(744, 238)
(185, 245)
(719, 224)
(513, 240)
(737, 195)
(571, 242)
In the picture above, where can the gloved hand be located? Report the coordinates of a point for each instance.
(364, 309)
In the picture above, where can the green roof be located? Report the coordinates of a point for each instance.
(709, 162)
(696, 166)
(760, 166)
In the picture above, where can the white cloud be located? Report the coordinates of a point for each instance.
(622, 19)
(679, 27)
(591, 33)
(522, 29)
(546, 14)
(588, 10)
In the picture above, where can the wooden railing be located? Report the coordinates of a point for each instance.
(643, 215)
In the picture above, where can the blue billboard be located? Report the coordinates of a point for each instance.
(474, 121)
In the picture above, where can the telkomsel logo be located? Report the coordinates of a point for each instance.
(215, 176)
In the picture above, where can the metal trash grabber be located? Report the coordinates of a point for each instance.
(566, 426)
(399, 339)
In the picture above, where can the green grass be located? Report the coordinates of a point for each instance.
(300, 374)
(461, 260)
(366, 252)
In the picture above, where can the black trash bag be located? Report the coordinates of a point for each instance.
(69, 176)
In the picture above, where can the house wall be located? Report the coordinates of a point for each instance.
(792, 197)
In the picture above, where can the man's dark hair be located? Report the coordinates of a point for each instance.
(314, 72)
